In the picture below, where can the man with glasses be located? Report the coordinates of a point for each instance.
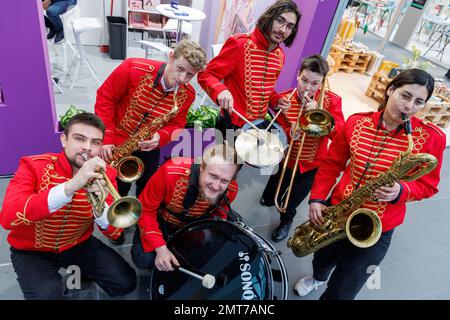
(249, 65)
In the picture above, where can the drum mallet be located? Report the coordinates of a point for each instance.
(208, 281)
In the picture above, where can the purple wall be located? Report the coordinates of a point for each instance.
(28, 118)
(317, 16)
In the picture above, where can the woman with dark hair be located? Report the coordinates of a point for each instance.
(365, 148)
(249, 65)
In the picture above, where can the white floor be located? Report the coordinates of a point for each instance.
(416, 266)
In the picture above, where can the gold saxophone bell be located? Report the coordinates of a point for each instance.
(123, 212)
(314, 122)
(129, 169)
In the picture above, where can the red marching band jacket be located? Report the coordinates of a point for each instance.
(248, 70)
(26, 213)
(132, 96)
(166, 190)
(314, 148)
(362, 143)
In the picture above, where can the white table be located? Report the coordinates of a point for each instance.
(181, 13)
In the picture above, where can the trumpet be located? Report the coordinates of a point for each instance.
(123, 212)
(315, 122)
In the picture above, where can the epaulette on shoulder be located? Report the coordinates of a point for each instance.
(367, 113)
(233, 186)
(43, 157)
(141, 64)
(242, 35)
(432, 126)
(174, 169)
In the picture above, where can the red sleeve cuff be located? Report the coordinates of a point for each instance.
(216, 90)
(151, 241)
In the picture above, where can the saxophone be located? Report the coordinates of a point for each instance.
(130, 168)
(360, 225)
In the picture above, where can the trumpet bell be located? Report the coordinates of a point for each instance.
(130, 169)
(124, 212)
(317, 122)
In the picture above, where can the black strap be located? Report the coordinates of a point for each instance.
(228, 121)
(192, 192)
(159, 75)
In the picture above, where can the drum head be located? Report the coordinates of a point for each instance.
(221, 249)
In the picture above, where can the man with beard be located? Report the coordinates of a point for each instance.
(51, 221)
(249, 66)
(182, 191)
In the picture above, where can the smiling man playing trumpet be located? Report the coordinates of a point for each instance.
(51, 220)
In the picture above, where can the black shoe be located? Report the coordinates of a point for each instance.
(263, 203)
(51, 34)
(120, 240)
(59, 37)
(281, 232)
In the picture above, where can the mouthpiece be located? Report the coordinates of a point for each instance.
(406, 124)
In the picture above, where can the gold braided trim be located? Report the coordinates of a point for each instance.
(364, 134)
(257, 99)
(145, 80)
(116, 232)
(146, 98)
(47, 238)
(152, 232)
(21, 217)
(179, 191)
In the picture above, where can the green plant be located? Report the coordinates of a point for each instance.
(204, 116)
(412, 61)
(64, 119)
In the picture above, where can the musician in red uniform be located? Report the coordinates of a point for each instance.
(140, 90)
(180, 192)
(249, 65)
(51, 221)
(372, 142)
(310, 78)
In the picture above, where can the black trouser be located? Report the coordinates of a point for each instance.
(146, 260)
(300, 189)
(351, 266)
(38, 276)
(224, 126)
(151, 163)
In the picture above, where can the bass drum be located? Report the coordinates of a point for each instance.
(246, 266)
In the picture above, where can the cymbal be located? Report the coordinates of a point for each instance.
(259, 148)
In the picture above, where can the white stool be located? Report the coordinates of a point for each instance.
(154, 45)
(79, 26)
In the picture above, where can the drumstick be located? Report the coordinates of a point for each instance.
(279, 112)
(208, 281)
(248, 122)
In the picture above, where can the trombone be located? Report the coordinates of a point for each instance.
(123, 212)
(314, 122)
